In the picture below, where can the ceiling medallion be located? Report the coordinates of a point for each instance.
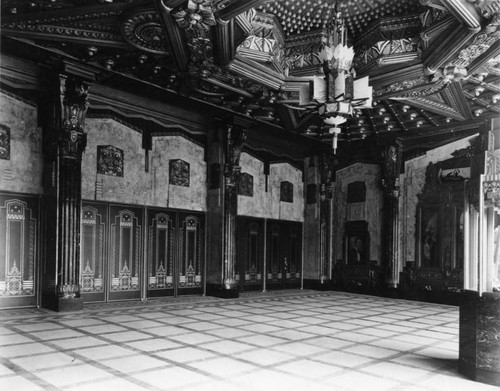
(144, 31)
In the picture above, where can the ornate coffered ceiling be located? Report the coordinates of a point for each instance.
(433, 64)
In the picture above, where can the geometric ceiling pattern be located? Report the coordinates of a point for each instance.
(433, 64)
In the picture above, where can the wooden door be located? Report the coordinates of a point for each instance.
(19, 245)
(284, 254)
(93, 282)
(161, 252)
(124, 252)
(249, 253)
(175, 252)
(191, 253)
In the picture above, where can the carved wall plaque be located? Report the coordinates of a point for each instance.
(245, 185)
(109, 160)
(179, 172)
(4, 142)
(286, 191)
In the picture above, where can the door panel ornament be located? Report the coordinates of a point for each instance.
(92, 242)
(17, 249)
(161, 252)
(125, 251)
(190, 253)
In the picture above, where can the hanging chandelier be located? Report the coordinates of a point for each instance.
(338, 92)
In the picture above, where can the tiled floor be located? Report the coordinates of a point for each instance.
(296, 340)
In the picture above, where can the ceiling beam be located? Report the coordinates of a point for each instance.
(453, 94)
(481, 60)
(175, 39)
(224, 45)
(435, 30)
(465, 12)
(447, 46)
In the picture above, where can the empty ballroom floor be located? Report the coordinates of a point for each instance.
(288, 340)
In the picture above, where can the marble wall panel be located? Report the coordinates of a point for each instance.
(135, 185)
(259, 204)
(22, 172)
(267, 204)
(412, 184)
(371, 175)
(165, 192)
(293, 211)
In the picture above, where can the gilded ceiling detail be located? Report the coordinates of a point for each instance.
(259, 57)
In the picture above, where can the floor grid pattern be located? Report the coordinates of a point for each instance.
(286, 340)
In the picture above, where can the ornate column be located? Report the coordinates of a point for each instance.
(391, 166)
(63, 197)
(226, 141)
(326, 169)
(234, 140)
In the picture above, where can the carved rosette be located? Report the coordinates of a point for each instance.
(144, 31)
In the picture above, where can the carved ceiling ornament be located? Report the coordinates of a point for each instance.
(143, 30)
(195, 15)
(481, 43)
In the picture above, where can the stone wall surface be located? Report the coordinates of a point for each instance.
(170, 195)
(267, 204)
(131, 188)
(137, 186)
(22, 171)
(293, 211)
(259, 205)
(372, 208)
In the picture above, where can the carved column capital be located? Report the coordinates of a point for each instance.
(74, 102)
(327, 172)
(234, 142)
(72, 143)
(391, 167)
(72, 139)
